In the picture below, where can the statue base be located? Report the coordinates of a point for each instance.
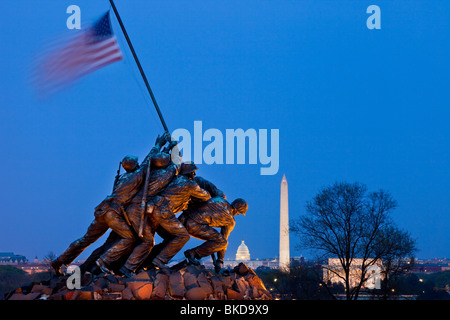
(181, 282)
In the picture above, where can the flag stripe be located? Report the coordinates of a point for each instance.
(94, 48)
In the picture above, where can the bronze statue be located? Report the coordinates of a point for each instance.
(109, 214)
(201, 218)
(160, 178)
(172, 200)
(166, 186)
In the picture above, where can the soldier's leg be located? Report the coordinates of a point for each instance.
(90, 261)
(157, 248)
(141, 251)
(96, 229)
(214, 240)
(174, 227)
(121, 247)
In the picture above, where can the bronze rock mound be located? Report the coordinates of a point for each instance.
(181, 282)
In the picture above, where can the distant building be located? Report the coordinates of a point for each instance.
(334, 273)
(32, 268)
(243, 254)
(9, 258)
(431, 265)
(427, 268)
(21, 262)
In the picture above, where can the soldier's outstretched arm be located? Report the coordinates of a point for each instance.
(225, 231)
(210, 187)
(199, 193)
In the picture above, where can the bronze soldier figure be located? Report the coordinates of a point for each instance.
(161, 176)
(167, 237)
(200, 219)
(174, 199)
(109, 213)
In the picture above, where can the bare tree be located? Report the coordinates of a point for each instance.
(395, 261)
(346, 222)
(48, 258)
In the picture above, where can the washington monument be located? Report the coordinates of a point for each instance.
(284, 225)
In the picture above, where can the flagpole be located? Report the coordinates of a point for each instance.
(147, 176)
(139, 65)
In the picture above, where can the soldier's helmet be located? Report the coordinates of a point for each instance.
(161, 159)
(188, 167)
(240, 205)
(130, 163)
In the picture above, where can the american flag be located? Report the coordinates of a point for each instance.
(92, 49)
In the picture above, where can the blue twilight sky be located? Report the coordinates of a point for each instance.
(351, 104)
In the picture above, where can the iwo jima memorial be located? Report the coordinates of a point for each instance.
(145, 201)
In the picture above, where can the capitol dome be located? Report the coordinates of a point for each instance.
(243, 254)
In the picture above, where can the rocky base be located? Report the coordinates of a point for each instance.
(181, 282)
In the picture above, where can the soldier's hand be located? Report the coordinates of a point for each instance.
(167, 136)
(172, 144)
(160, 141)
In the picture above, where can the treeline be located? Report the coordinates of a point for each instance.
(436, 286)
(12, 278)
(304, 282)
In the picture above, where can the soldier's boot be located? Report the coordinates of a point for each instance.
(103, 267)
(127, 273)
(218, 265)
(95, 270)
(190, 256)
(160, 265)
